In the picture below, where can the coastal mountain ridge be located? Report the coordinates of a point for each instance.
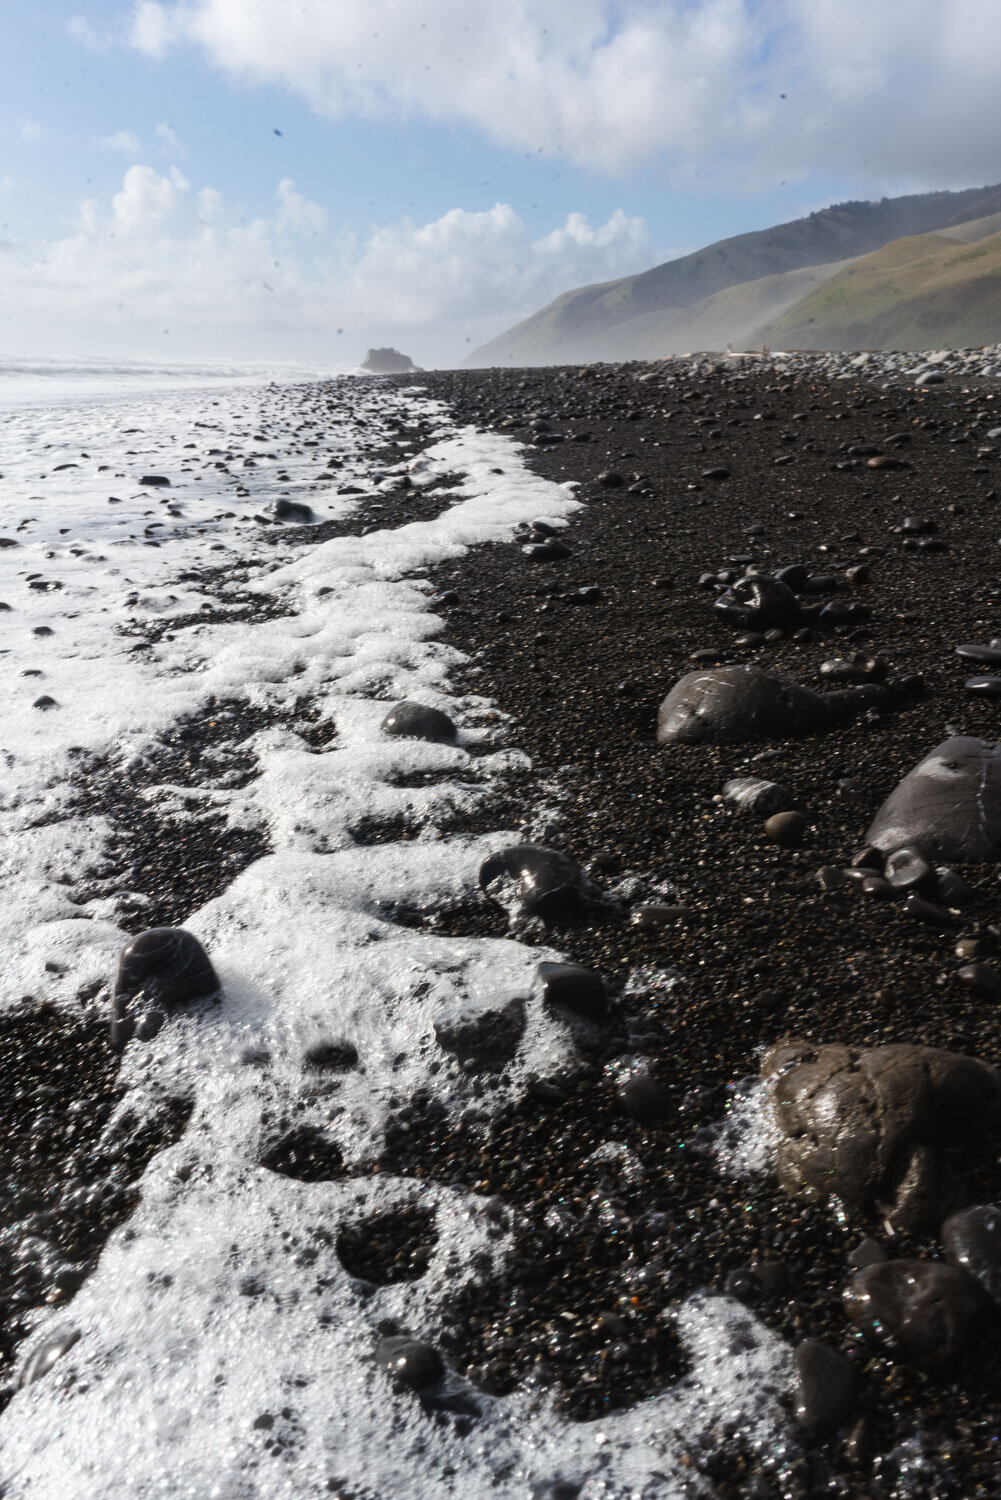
(736, 289)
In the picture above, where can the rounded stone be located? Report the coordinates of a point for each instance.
(571, 987)
(918, 1311)
(738, 704)
(543, 881)
(988, 656)
(760, 602)
(550, 550)
(907, 870)
(948, 806)
(643, 1099)
(984, 687)
(787, 829)
(825, 1387)
(416, 721)
(41, 1359)
(982, 980)
(761, 798)
(157, 970)
(292, 510)
(409, 1361)
(971, 1240)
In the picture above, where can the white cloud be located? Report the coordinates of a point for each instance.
(906, 87)
(123, 140)
(83, 32)
(162, 254)
(170, 141)
(31, 130)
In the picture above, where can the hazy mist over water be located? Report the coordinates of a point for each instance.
(41, 380)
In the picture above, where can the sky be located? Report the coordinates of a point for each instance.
(303, 179)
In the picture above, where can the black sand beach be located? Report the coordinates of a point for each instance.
(722, 467)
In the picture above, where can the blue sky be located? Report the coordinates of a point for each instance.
(441, 171)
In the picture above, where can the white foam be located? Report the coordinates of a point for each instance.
(176, 1360)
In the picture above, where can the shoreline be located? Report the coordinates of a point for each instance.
(606, 1257)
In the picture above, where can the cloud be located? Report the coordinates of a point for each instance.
(726, 87)
(170, 141)
(83, 32)
(163, 254)
(123, 140)
(31, 130)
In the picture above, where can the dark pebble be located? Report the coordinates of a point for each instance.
(971, 1240)
(825, 1387)
(982, 980)
(409, 1361)
(157, 970)
(643, 1099)
(574, 988)
(984, 687)
(416, 721)
(918, 1311)
(44, 1356)
(787, 829)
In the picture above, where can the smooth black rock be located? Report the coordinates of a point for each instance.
(409, 1361)
(482, 1038)
(949, 806)
(983, 980)
(759, 602)
(717, 474)
(867, 1252)
(871, 1124)
(759, 797)
(787, 829)
(574, 988)
(158, 970)
(292, 510)
(44, 1355)
(921, 1312)
(984, 687)
(550, 550)
(825, 1387)
(989, 656)
(156, 480)
(543, 881)
(971, 1240)
(610, 480)
(416, 721)
(928, 912)
(737, 704)
(45, 702)
(794, 576)
(907, 870)
(643, 1098)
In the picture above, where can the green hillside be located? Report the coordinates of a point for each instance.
(921, 292)
(578, 325)
(731, 317)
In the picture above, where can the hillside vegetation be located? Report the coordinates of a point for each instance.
(677, 306)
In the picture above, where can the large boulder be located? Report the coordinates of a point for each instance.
(948, 806)
(872, 1125)
(388, 362)
(733, 705)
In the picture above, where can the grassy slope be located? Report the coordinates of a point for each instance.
(729, 317)
(913, 294)
(572, 327)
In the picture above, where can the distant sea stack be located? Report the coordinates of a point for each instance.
(388, 362)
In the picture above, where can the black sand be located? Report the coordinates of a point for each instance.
(763, 951)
